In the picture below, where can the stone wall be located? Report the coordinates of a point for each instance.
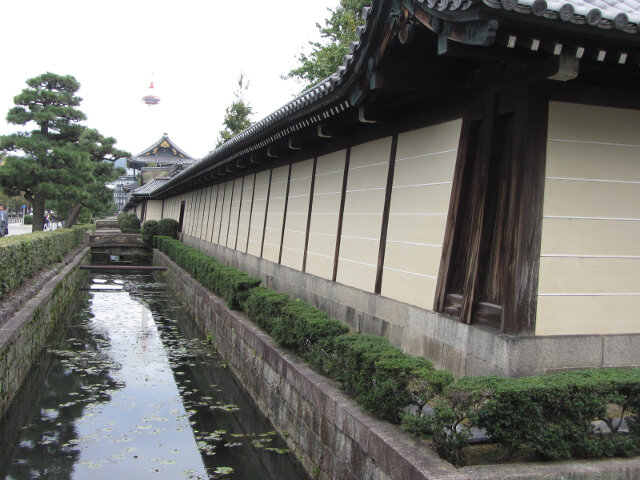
(26, 331)
(326, 430)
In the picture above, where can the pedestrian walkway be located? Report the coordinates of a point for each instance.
(21, 228)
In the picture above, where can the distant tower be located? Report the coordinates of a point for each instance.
(150, 98)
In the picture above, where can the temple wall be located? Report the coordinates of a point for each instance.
(590, 258)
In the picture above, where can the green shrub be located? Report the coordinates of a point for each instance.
(553, 414)
(130, 224)
(381, 377)
(168, 227)
(301, 326)
(263, 306)
(121, 217)
(22, 256)
(149, 230)
(28, 220)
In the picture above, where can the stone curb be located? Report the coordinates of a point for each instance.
(10, 307)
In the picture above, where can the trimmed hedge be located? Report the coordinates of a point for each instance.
(232, 285)
(129, 223)
(149, 230)
(22, 256)
(551, 415)
(168, 227)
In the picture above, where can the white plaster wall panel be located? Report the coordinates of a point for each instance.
(217, 223)
(189, 213)
(592, 125)
(217, 211)
(202, 231)
(245, 212)
(154, 210)
(275, 214)
(590, 253)
(206, 235)
(235, 210)
(259, 210)
(185, 220)
(200, 213)
(587, 158)
(591, 199)
(327, 193)
(362, 218)
(206, 202)
(423, 176)
(226, 213)
(569, 236)
(194, 212)
(587, 314)
(297, 214)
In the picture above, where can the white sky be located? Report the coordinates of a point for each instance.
(193, 50)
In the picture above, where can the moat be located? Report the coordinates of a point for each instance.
(129, 389)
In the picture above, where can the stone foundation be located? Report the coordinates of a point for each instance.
(448, 343)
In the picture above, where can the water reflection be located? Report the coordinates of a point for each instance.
(127, 393)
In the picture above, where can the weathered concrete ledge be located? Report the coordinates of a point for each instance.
(328, 431)
(26, 331)
(448, 343)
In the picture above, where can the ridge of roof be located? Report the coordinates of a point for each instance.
(164, 138)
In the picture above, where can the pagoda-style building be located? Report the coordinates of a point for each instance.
(157, 164)
(160, 159)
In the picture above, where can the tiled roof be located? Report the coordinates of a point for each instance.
(150, 187)
(607, 14)
(164, 151)
(326, 98)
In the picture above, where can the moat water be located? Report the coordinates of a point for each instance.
(128, 389)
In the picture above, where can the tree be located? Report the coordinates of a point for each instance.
(338, 32)
(237, 115)
(45, 163)
(97, 198)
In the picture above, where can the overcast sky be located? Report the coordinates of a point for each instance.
(193, 50)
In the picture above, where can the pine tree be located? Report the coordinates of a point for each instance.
(237, 115)
(45, 163)
(338, 32)
(97, 198)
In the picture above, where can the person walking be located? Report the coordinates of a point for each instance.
(4, 223)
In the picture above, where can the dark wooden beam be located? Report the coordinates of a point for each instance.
(343, 196)
(310, 211)
(284, 215)
(385, 215)
(408, 81)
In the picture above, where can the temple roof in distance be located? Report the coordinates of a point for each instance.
(163, 153)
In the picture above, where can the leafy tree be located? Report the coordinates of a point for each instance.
(45, 163)
(97, 198)
(237, 115)
(338, 32)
